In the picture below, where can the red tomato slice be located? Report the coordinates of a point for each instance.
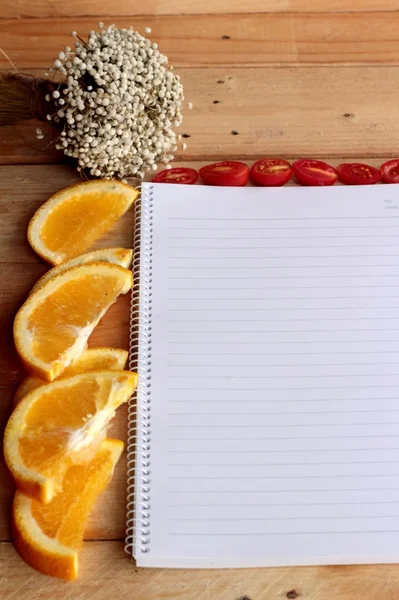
(314, 172)
(390, 171)
(228, 172)
(178, 175)
(358, 173)
(271, 172)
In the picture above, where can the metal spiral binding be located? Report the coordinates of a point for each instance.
(139, 410)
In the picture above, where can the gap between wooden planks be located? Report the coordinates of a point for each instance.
(107, 572)
(74, 8)
(228, 39)
(269, 111)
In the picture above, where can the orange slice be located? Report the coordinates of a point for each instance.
(61, 424)
(94, 359)
(52, 327)
(118, 256)
(73, 219)
(49, 536)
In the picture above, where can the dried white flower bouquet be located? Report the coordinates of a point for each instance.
(116, 107)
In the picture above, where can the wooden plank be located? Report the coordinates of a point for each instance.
(106, 572)
(336, 111)
(19, 145)
(340, 111)
(93, 8)
(252, 39)
(7, 485)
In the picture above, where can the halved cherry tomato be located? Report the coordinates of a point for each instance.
(358, 173)
(178, 175)
(271, 172)
(314, 172)
(228, 172)
(390, 171)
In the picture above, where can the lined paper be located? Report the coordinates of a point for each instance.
(274, 376)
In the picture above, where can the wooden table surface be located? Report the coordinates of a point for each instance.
(266, 77)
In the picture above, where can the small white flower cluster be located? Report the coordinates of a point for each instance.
(118, 105)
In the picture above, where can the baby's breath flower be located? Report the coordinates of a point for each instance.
(120, 101)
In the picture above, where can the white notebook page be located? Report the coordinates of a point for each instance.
(274, 376)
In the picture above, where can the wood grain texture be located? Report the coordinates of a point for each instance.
(198, 40)
(339, 111)
(106, 572)
(329, 110)
(20, 146)
(95, 8)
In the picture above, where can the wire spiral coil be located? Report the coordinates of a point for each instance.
(139, 409)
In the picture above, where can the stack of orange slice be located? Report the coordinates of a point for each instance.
(55, 442)
(48, 536)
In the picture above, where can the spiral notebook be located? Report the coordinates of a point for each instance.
(265, 332)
